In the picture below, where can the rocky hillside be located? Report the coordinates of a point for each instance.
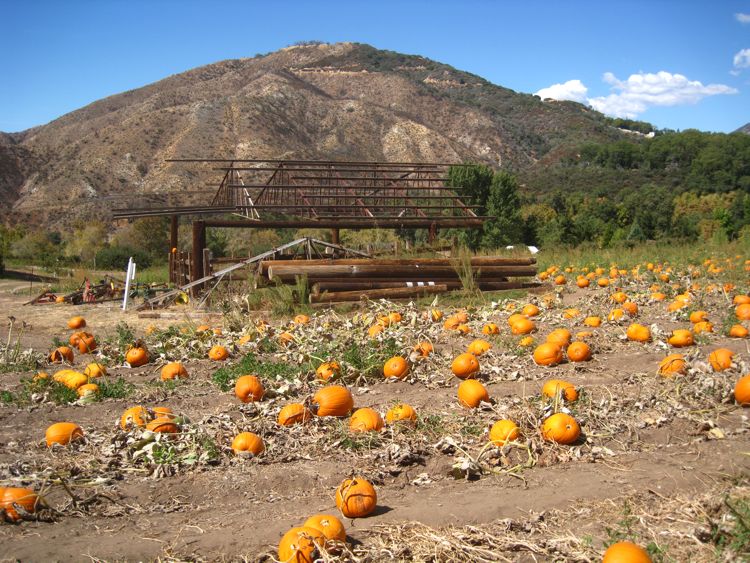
(744, 129)
(339, 101)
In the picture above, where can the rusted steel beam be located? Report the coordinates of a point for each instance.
(395, 292)
(475, 261)
(324, 206)
(360, 177)
(369, 186)
(414, 271)
(318, 162)
(313, 169)
(354, 223)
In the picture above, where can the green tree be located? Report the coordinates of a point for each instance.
(504, 206)
(473, 182)
(83, 242)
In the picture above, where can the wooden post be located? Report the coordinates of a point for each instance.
(199, 243)
(173, 232)
(335, 236)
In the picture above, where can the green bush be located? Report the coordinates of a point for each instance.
(116, 258)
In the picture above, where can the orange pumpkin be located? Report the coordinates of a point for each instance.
(548, 354)
(698, 316)
(401, 413)
(424, 349)
(286, 338)
(332, 400)
(62, 433)
(742, 391)
(248, 443)
(25, 498)
(559, 336)
(742, 311)
(703, 326)
(619, 297)
(137, 356)
(328, 370)
(602, 282)
(571, 313)
(396, 367)
(94, 370)
(504, 431)
(248, 389)
(616, 315)
(741, 299)
(738, 331)
(526, 341)
(626, 552)
(593, 322)
(721, 359)
(465, 365)
(365, 420)
(672, 364)
(490, 328)
(631, 308)
(582, 282)
(294, 413)
(523, 326)
(479, 347)
(173, 370)
(471, 392)
(87, 389)
(515, 317)
(301, 545)
(374, 330)
(557, 387)
(560, 280)
(681, 338)
(530, 310)
(301, 319)
(75, 323)
(330, 526)
(218, 353)
(61, 354)
(132, 417)
(638, 333)
(561, 428)
(579, 352)
(163, 425)
(356, 497)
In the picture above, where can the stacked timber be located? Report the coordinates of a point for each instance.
(351, 279)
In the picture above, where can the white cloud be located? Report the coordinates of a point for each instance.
(742, 18)
(639, 92)
(572, 90)
(742, 59)
(644, 90)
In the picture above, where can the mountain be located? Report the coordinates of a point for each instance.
(744, 129)
(341, 101)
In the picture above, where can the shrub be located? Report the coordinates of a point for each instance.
(116, 258)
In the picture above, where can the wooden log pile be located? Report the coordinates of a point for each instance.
(351, 279)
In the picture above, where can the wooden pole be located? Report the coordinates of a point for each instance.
(173, 232)
(411, 271)
(199, 243)
(395, 293)
(335, 236)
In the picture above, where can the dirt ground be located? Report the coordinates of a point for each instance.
(657, 459)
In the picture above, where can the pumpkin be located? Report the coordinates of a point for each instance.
(742, 391)
(374, 330)
(424, 349)
(584, 334)
(134, 416)
(330, 526)
(698, 316)
(560, 280)
(394, 317)
(738, 331)
(61, 354)
(356, 497)
(244, 339)
(87, 389)
(602, 282)
(94, 370)
(631, 308)
(163, 425)
(401, 413)
(218, 353)
(248, 389)
(742, 311)
(396, 367)
(384, 320)
(526, 341)
(681, 338)
(504, 431)
(74, 323)
(638, 333)
(248, 443)
(626, 552)
(530, 310)
(593, 322)
(137, 356)
(62, 433)
(522, 326)
(721, 359)
(559, 336)
(451, 323)
(84, 341)
(579, 352)
(471, 392)
(465, 365)
(676, 306)
(301, 545)
(202, 328)
(294, 413)
(327, 371)
(658, 296)
(463, 328)
(515, 317)
(365, 420)
(25, 498)
(561, 428)
(73, 379)
(619, 297)
(554, 388)
(479, 347)
(164, 412)
(703, 326)
(436, 315)
(301, 319)
(332, 400)
(616, 315)
(490, 328)
(582, 282)
(548, 354)
(173, 370)
(741, 299)
(571, 313)
(672, 364)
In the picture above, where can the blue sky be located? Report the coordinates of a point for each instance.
(678, 64)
